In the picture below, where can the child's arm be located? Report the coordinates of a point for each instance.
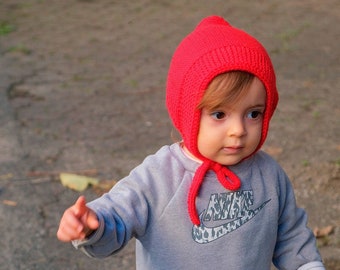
(77, 222)
(296, 244)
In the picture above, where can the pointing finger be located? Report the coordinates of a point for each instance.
(80, 207)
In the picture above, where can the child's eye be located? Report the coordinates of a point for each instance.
(218, 115)
(254, 114)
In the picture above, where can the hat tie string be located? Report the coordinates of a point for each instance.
(226, 177)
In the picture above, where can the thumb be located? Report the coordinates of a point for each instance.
(92, 220)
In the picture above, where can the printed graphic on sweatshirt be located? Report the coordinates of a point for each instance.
(233, 207)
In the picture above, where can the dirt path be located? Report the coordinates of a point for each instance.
(82, 87)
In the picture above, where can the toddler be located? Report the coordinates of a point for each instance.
(214, 200)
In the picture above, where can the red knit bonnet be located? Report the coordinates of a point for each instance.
(214, 47)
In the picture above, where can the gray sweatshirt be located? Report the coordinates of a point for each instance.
(246, 229)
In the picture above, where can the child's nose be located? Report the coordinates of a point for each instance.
(237, 127)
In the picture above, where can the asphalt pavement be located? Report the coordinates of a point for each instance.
(82, 90)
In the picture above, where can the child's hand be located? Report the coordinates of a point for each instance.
(77, 222)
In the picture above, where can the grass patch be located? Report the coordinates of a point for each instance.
(19, 49)
(6, 28)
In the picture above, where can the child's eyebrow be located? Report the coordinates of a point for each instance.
(258, 106)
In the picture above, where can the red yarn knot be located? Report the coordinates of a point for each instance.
(226, 177)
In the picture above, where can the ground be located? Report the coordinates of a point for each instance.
(82, 90)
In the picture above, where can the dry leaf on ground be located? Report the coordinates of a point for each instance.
(77, 182)
(104, 186)
(10, 203)
(322, 232)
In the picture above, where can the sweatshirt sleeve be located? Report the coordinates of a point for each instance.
(296, 245)
(130, 207)
(123, 213)
(313, 266)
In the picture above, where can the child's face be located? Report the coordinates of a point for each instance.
(231, 133)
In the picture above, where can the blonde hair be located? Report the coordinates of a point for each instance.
(225, 89)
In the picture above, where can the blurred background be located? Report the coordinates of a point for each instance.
(82, 87)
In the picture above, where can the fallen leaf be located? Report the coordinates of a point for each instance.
(322, 232)
(104, 186)
(6, 176)
(77, 182)
(10, 203)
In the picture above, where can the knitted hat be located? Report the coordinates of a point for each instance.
(214, 47)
